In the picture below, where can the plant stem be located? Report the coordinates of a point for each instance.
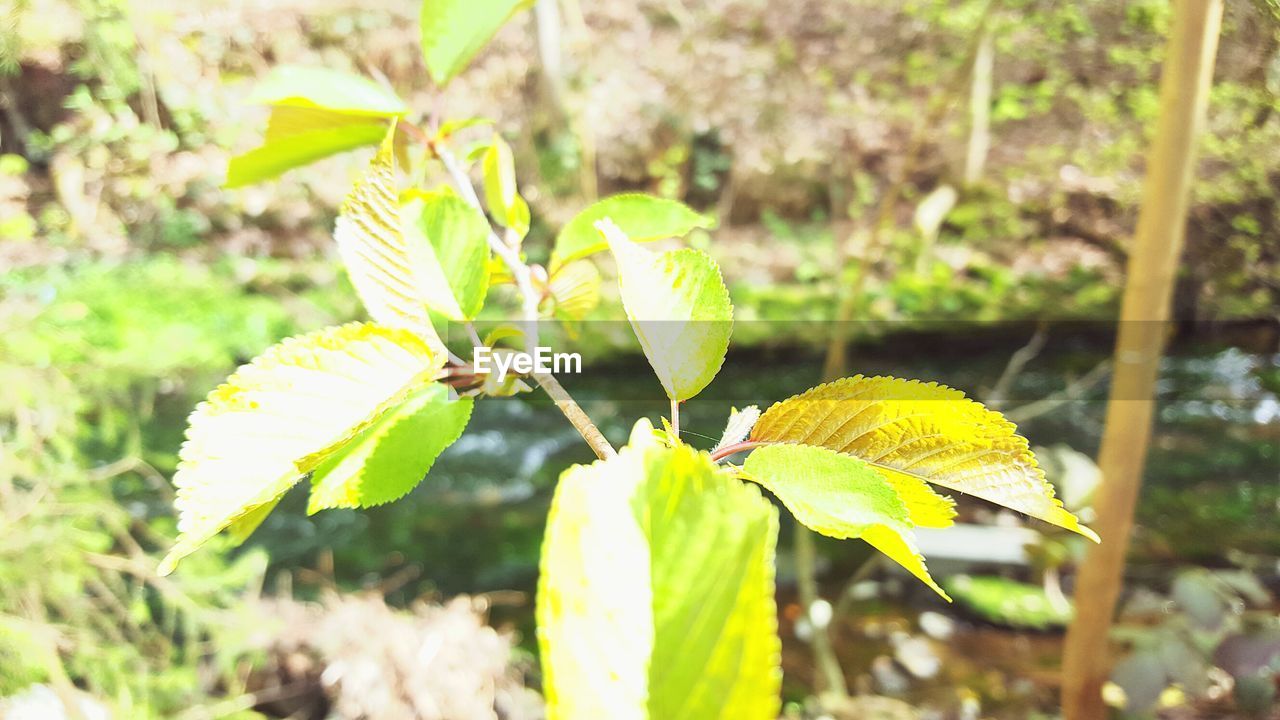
(675, 418)
(820, 639)
(529, 302)
(576, 415)
(506, 251)
(735, 448)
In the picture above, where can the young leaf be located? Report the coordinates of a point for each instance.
(912, 432)
(655, 598)
(575, 290)
(278, 417)
(643, 218)
(679, 308)
(739, 425)
(314, 113)
(389, 274)
(842, 497)
(276, 157)
(500, 193)
(453, 31)
(391, 456)
(448, 241)
(321, 88)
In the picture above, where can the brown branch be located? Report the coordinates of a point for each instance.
(576, 415)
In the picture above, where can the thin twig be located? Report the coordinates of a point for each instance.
(529, 301)
(734, 448)
(506, 251)
(1070, 393)
(1023, 355)
(576, 415)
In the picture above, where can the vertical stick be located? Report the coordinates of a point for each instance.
(1153, 263)
(980, 108)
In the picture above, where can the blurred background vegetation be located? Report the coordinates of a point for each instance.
(132, 282)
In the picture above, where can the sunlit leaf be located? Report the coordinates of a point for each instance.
(278, 417)
(314, 113)
(642, 218)
(575, 290)
(912, 432)
(500, 192)
(388, 458)
(311, 87)
(449, 128)
(388, 273)
(448, 242)
(279, 156)
(453, 31)
(840, 496)
(655, 598)
(679, 307)
(739, 425)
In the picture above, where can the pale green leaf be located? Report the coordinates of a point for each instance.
(300, 148)
(500, 191)
(453, 31)
(840, 496)
(391, 456)
(388, 272)
(276, 418)
(448, 240)
(679, 308)
(449, 128)
(340, 92)
(643, 218)
(575, 290)
(738, 426)
(913, 432)
(315, 113)
(656, 596)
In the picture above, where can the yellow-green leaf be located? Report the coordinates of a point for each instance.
(575, 290)
(500, 192)
(840, 496)
(448, 242)
(388, 272)
(912, 432)
(453, 31)
(655, 598)
(302, 148)
(338, 92)
(314, 113)
(642, 218)
(391, 456)
(276, 418)
(679, 308)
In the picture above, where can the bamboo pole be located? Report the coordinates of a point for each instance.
(1153, 263)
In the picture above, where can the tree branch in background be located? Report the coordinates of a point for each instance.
(1185, 81)
(1017, 361)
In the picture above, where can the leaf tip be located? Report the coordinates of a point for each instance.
(170, 562)
(1089, 533)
